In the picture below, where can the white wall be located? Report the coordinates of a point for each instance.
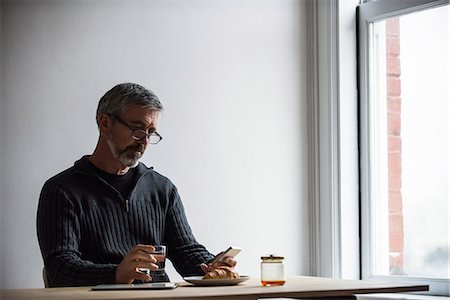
(231, 75)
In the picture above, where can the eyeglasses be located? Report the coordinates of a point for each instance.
(139, 134)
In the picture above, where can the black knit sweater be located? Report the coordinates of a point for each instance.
(85, 227)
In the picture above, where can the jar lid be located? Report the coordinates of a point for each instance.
(272, 257)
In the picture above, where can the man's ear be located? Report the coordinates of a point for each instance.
(104, 122)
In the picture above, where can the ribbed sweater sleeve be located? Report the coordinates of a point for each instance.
(184, 251)
(59, 234)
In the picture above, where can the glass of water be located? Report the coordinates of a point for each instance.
(160, 254)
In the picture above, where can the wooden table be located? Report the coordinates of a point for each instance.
(295, 287)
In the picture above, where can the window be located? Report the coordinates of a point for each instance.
(404, 141)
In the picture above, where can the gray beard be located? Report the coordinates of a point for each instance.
(129, 156)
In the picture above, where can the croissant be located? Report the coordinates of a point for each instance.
(222, 272)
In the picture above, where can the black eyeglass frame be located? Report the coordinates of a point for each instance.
(134, 129)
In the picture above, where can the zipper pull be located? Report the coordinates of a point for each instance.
(127, 205)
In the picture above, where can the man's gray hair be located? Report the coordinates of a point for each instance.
(116, 100)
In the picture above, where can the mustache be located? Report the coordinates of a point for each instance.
(135, 148)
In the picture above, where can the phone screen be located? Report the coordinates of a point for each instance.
(231, 252)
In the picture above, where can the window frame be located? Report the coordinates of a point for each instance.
(368, 13)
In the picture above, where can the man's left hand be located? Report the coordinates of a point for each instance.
(227, 261)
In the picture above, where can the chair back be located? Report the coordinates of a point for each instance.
(45, 277)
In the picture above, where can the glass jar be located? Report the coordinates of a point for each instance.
(272, 270)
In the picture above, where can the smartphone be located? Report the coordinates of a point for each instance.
(231, 252)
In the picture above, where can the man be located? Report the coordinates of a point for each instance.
(98, 220)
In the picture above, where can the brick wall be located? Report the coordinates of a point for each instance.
(394, 146)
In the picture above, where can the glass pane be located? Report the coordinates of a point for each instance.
(410, 144)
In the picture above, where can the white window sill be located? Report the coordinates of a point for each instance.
(398, 297)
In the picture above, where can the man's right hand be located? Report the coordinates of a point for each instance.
(139, 257)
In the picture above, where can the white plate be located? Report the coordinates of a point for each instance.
(198, 280)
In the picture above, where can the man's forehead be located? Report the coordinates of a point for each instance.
(141, 115)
